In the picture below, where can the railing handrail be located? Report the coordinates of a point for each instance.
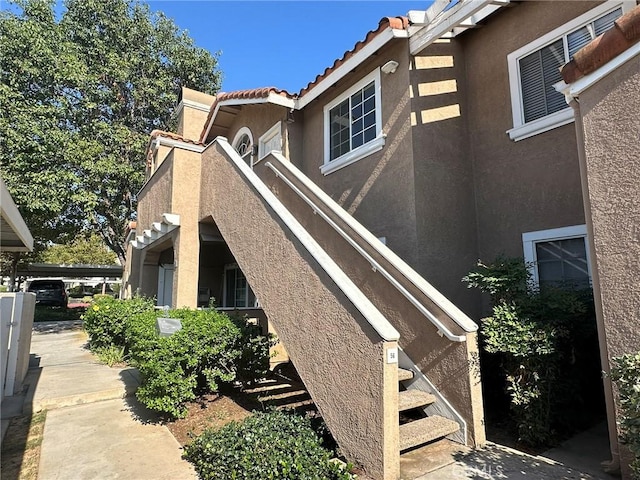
(372, 315)
(402, 267)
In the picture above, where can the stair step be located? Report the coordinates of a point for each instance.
(409, 399)
(425, 430)
(404, 374)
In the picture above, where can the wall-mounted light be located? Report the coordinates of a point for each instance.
(290, 118)
(390, 66)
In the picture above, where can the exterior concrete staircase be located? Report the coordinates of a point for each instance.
(348, 310)
(415, 428)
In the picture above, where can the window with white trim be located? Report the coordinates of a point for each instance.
(353, 124)
(243, 144)
(271, 141)
(535, 68)
(236, 291)
(558, 257)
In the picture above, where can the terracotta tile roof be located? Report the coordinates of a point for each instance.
(174, 136)
(397, 23)
(254, 93)
(624, 34)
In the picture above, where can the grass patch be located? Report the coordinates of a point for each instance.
(111, 355)
(21, 447)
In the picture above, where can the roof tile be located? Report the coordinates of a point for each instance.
(624, 34)
(397, 23)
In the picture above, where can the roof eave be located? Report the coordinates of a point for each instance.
(16, 223)
(272, 98)
(359, 57)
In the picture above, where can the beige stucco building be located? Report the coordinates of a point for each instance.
(344, 217)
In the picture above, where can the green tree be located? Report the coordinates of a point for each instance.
(79, 95)
(82, 251)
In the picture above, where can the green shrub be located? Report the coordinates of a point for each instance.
(211, 349)
(543, 339)
(272, 445)
(106, 319)
(626, 374)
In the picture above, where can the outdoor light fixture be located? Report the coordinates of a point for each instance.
(390, 66)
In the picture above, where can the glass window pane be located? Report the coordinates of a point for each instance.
(369, 90)
(563, 262)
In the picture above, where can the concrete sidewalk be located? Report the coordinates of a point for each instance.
(95, 428)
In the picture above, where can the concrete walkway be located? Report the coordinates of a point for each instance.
(95, 429)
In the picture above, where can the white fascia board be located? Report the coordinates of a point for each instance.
(273, 98)
(340, 72)
(12, 216)
(458, 14)
(170, 142)
(576, 88)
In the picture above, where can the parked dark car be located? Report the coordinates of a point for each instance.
(49, 292)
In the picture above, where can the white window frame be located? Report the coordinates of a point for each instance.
(264, 140)
(362, 151)
(522, 130)
(237, 137)
(234, 266)
(530, 239)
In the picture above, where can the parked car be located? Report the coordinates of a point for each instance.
(49, 292)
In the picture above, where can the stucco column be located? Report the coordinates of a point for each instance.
(597, 294)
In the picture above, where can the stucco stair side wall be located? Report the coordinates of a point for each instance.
(322, 331)
(445, 203)
(528, 185)
(377, 190)
(155, 197)
(611, 123)
(185, 201)
(448, 365)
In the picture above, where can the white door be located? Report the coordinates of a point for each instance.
(165, 285)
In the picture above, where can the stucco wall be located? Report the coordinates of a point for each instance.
(532, 184)
(338, 354)
(445, 207)
(610, 123)
(259, 119)
(378, 190)
(154, 198)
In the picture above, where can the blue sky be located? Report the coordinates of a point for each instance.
(283, 44)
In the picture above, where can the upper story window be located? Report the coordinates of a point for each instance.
(558, 257)
(535, 68)
(243, 144)
(353, 124)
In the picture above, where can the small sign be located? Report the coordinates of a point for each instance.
(392, 355)
(167, 326)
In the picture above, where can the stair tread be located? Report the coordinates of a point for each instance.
(425, 430)
(404, 374)
(409, 399)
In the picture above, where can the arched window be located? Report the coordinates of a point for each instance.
(243, 144)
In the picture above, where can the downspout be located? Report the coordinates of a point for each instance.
(614, 464)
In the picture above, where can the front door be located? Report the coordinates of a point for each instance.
(165, 285)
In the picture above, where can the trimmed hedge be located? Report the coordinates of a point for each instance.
(266, 446)
(211, 349)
